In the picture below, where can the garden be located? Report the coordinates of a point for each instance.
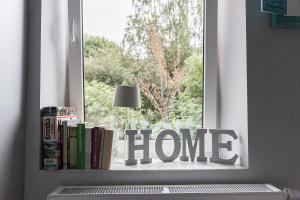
(162, 54)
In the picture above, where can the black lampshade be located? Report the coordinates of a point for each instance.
(127, 96)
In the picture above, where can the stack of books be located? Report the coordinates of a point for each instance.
(69, 144)
(52, 120)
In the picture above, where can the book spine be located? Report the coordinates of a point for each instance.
(65, 145)
(58, 111)
(49, 128)
(50, 156)
(88, 147)
(50, 164)
(73, 147)
(80, 146)
(95, 148)
(106, 158)
(50, 143)
(68, 147)
(102, 132)
(60, 144)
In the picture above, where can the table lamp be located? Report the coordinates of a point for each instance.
(128, 97)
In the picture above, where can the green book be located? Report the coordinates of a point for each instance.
(72, 147)
(80, 146)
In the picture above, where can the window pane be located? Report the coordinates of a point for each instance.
(156, 45)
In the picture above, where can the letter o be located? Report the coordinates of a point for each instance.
(159, 149)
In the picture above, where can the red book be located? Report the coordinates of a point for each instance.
(95, 147)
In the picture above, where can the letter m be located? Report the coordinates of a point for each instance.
(187, 139)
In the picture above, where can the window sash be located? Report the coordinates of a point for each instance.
(76, 74)
(210, 65)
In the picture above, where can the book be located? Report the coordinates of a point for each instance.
(68, 147)
(60, 145)
(65, 144)
(107, 148)
(80, 146)
(88, 147)
(50, 143)
(102, 131)
(72, 147)
(95, 147)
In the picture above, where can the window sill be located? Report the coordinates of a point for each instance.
(157, 165)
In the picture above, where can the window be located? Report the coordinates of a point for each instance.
(156, 45)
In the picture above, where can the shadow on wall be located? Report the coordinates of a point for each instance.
(12, 164)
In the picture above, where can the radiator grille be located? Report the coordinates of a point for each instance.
(113, 190)
(218, 189)
(169, 189)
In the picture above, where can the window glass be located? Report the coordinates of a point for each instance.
(156, 45)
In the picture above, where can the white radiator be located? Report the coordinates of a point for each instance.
(169, 192)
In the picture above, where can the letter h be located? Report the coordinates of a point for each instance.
(133, 147)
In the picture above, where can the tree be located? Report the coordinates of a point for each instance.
(99, 108)
(161, 53)
(186, 108)
(105, 67)
(159, 37)
(104, 61)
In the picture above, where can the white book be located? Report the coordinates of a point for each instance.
(88, 147)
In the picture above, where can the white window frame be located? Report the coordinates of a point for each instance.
(76, 76)
(210, 108)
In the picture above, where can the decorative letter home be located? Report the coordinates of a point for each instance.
(187, 141)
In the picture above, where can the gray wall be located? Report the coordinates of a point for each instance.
(273, 99)
(12, 87)
(273, 74)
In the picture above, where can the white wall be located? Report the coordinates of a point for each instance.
(12, 86)
(273, 73)
(232, 57)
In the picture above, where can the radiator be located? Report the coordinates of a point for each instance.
(169, 192)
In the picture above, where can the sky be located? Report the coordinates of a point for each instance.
(106, 18)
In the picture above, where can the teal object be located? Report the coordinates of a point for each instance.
(274, 6)
(281, 21)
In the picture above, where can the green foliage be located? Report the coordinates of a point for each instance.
(178, 24)
(99, 105)
(166, 30)
(104, 61)
(160, 36)
(192, 82)
(187, 106)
